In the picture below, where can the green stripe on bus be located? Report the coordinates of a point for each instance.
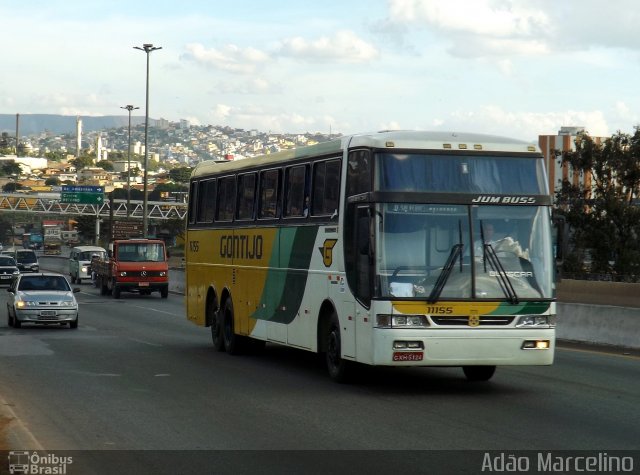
(287, 278)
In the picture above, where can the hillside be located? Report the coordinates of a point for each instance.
(31, 124)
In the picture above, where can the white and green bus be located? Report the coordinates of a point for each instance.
(397, 248)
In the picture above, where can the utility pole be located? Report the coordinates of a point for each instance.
(129, 107)
(147, 48)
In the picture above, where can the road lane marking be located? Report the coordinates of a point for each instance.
(144, 342)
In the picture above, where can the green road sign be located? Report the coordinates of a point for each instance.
(82, 198)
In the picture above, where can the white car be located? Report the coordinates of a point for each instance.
(43, 298)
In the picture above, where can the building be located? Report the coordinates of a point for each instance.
(564, 141)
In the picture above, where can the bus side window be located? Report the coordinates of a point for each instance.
(295, 183)
(268, 195)
(226, 198)
(326, 188)
(246, 196)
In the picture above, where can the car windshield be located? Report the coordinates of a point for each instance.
(44, 282)
(87, 255)
(141, 252)
(26, 257)
(7, 261)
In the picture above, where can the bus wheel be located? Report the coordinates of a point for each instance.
(232, 343)
(338, 368)
(216, 329)
(164, 292)
(115, 290)
(478, 373)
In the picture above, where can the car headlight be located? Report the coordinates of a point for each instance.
(536, 321)
(26, 303)
(401, 321)
(67, 303)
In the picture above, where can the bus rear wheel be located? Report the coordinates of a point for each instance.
(216, 329)
(233, 343)
(338, 368)
(478, 373)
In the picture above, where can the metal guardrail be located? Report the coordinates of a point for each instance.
(43, 205)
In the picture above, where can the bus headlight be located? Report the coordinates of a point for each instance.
(123, 274)
(536, 321)
(401, 321)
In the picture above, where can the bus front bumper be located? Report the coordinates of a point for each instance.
(458, 347)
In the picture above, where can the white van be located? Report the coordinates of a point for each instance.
(80, 261)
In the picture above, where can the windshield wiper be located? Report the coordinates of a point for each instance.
(505, 283)
(456, 252)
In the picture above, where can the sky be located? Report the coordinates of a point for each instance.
(517, 68)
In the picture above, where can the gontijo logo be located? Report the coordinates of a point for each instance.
(327, 251)
(23, 461)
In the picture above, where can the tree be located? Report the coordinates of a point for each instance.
(604, 217)
(82, 162)
(52, 181)
(180, 175)
(10, 168)
(11, 187)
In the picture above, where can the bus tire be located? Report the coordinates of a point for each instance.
(338, 368)
(216, 329)
(478, 373)
(233, 343)
(164, 292)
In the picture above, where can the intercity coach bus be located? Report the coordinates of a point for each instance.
(396, 248)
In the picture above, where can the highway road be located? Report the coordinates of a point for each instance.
(137, 376)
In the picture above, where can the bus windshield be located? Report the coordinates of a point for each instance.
(444, 251)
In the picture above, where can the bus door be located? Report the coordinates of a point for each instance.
(364, 236)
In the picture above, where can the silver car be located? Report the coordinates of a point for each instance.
(44, 298)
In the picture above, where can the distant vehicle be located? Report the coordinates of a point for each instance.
(133, 265)
(27, 260)
(43, 298)
(80, 261)
(32, 241)
(8, 269)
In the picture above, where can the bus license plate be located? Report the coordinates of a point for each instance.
(408, 355)
(143, 284)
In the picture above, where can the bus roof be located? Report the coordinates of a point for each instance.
(388, 139)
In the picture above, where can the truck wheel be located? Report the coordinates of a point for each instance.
(164, 292)
(115, 291)
(73, 279)
(104, 290)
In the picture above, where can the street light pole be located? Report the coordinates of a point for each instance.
(129, 107)
(147, 48)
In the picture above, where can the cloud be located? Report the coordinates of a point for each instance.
(230, 58)
(520, 27)
(525, 125)
(343, 46)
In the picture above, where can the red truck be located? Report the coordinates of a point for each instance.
(133, 265)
